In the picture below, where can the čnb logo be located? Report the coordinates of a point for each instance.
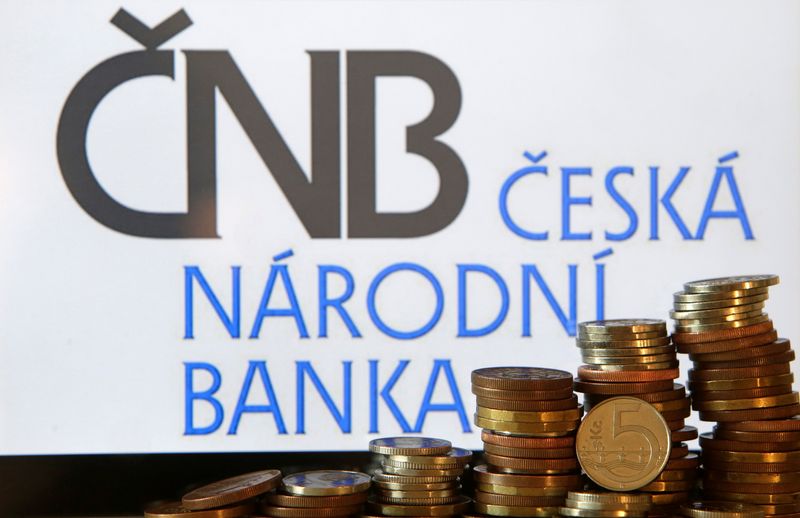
(317, 201)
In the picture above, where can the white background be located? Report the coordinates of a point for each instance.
(91, 320)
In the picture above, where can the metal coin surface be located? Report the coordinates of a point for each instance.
(527, 406)
(286, 500)
(742, 404)
(623, 326)
(742, 383)
(710, 509)
(720, 303)
(380, 476)
(482, 475)
(532, 416)
(326, 483)
(723, 395)
(414, 472)
(695, 337)
(525, 491)
(729, 346)
(728, 284)
(782, 425)
(177, 510)
(521, 378)
(610, 498)
(232, 490)
(776, 346)
(537, 465)
(511, 441)
(274, 511)
(409, 446)
(592, 373)
(530, 453)
(419, 510)
(515, 511)
(559, 427)
(623, 443)
(755, 414)
(617, 389)
(518, 501)
(525, 395)
(456, 456)
(689, 297)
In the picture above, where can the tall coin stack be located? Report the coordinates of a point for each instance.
(419, 476)
(635, 357)
(318, 494)
(529, 416)
(742, 380)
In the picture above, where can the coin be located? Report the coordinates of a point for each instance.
(728, 284)
(684, 297)
(712, 395)
(530, 453)
(412, 494)
(733, 435)
(707, 440)
(616, 389)
(326, 483)
(419, 510)
(623, 326)
(177, 510)
(416, 486)
(742, 404)
(783, 425)
(663, 499)
(232, 490)
(753, 498)
(274, 511)
(628, 360)
(456, 457)
(721, 334)
(562, 427)
(623, 443)
(391, 478)
(677, 392)
(754, 414)
(690, 461)
(772, 359)
(751, 467)
(594, 513)
(444, 500)
(531, 465)
(776, 346)
(735, 317)
(511, 441)
(286, 500)
(705, 328)
(709, 509)
(720, 303)
(703, 314)
(525, 395)
(669, 486)
(673, 405)
(687, 433)
(521, 378)
(591, 373)
(619, 336)
(525, 491)
(527, 406)
(675, 474)
(731, 345)
(415, 472)
(515, 501)
(782, 488)
(753, 478)
(531, 417)
(507, 510)
(603, 506)
(741, 384)
(610, 498)
(750, 456)
(482, 475)
(605, 342)
(409, 446)
(737, 373)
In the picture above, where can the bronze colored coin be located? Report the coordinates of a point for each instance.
(741, 384)
(708, 441)
(679, 450)
(720, 303)
(616, 389)
(637, 367)
(274, 511)
(404, 486)
(628, 360)
(675, 415)
(724, 395)
(674, 485)
(527, 406)
(691, 461)
(676, 425)
(524, 491)
(389, 461)
(482, 475)
(687, 433)
(756, 414)
(561, 427)
(521, 378)
(531, 417)
(511, 441)
(725, 326)
(605, 506)
(511, 511)
(456, 457)
(591, 373)
(529, 501)
(285, 500)
(782, 488)
(729, 346)
(721, 334)
(720, 510)
(683, 297)
(752, 498)
(326, 482)
(530, 453)
(751, 467)
(677, 392)
(611, 431)
(416, 501)
(753, 478)
(596, 513)
(776, 346)
(778, 437)
(177, 510)
(626, 352)
(675, 474)
(415, 472)
(752, 456)
(525, 395)
(783, 425)
(419, 510)
(737, 373)
(728, 284)
(411, 494)
(665, 499)
(682, 320)
(232, 490)
(743, 404)
(610, 499)
(772, 359)
(380, 476)
(673, 405)
(630, 325)
(781, 509)
(546, 465)
(410, 446)
(613, 343)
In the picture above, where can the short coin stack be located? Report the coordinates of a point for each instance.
(229, 498)
(719, 510)
(419, 476)
(529, 416)
(595, 504)
(742, 380)
(635, 357)
(318, 494)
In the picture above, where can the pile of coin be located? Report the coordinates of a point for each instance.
(529, 416)
(229, 498)
(719, 510)
(594, 504)
(635, 357)
(318, 494)
(742, 380)
(419, 476)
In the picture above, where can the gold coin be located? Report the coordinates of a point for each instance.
(736, 477)
(683, 322)
(410, 446)
(718, 312)
(284, 500)
(456, 457)
(588, 352)
(684, 297)
(702, 328)
(380, 476)
(482, 475)
(177, 510)
(419, 510)
(531, 417)
(610, 498)
(675, 404)
(518, 501)
(668, 486)
(672, 475)
(559, 427)
(723, 303)
(326, 483)
(508, 510)
(742, 404)
(728, 284)
(752, 456)
(623, 360)
(405, 486)
(413, 472)
(623, 326)
(720, 510)
(610, 343)
(604, 506)
(595, 513)
(530, 453)
(444, 500)
(232, 490)
(741, 383)
(275, 511)
(664, 499)
(403, 494)
(619, 336)
(623, 443)
(522, 491)
(753, 498)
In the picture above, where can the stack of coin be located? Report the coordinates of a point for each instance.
(419, 476)
(720, 510)
(742, 380)
(318, 494)
(529, 416)
(635, 357)
(229, 498)
(595, 504)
